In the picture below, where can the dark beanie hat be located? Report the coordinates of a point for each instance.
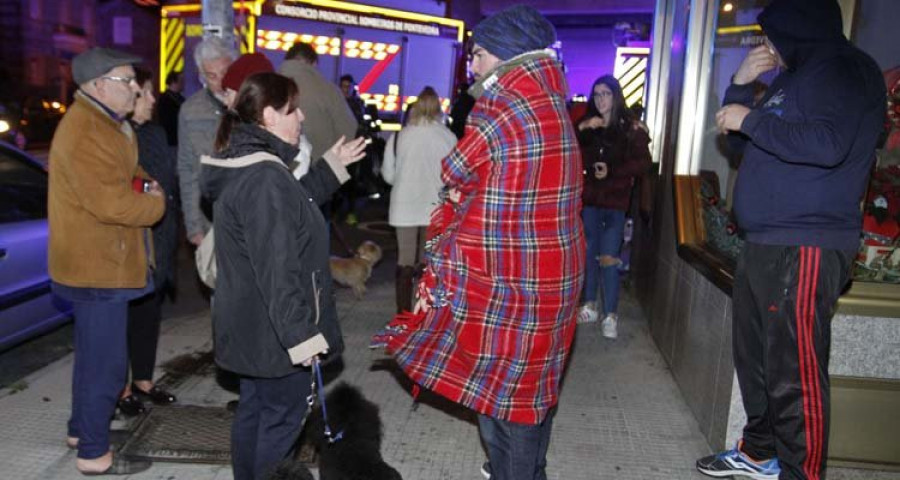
(246, 65)
(514, 31)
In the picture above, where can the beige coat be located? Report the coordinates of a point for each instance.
(97, 221)
(327, 114)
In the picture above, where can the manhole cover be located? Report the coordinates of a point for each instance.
(190, 433)
(183, 433)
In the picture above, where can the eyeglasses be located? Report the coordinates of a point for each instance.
(602, 94)
(213, 75)
(125, 80)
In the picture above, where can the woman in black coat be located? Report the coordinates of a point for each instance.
(274, 309)
(157, 158)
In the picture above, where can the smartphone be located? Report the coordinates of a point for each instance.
(141, 185)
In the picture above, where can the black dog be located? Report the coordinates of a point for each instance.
(356, 455)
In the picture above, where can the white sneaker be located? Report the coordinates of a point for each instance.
(486, 470)
(587, 314)
(608, 325)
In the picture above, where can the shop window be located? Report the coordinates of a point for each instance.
(706, 167)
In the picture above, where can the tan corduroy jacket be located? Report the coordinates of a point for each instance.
(98, 234)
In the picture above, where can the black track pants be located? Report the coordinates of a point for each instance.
(783, 300)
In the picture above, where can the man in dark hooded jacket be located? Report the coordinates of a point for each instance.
(809, 145)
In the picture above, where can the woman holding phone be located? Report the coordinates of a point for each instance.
(614, 150)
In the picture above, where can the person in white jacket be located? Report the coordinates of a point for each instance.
(412, 165)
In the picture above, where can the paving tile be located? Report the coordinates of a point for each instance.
(621, 415)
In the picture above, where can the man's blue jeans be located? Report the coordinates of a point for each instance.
(604, 229)
(516, 451)
(101, 361)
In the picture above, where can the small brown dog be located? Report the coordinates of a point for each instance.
(353, 272)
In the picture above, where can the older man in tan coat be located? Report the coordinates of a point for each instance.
(99, 246)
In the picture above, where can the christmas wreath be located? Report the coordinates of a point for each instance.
(879, 255)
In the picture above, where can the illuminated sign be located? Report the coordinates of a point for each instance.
(356, 15)
(325, 45)
(739, 36)
(631, 72)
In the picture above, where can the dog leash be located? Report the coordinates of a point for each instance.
(317, 388)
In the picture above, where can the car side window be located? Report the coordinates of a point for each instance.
(23, 189)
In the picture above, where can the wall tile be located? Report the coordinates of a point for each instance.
(865, 347)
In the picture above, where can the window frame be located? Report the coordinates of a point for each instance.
(862, 298)
(17, 156)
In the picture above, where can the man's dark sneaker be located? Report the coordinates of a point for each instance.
(734, 462)
(486, 470)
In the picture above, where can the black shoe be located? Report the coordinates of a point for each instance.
(131, 406)
(122, 465)
(232, 406)
(156, 395)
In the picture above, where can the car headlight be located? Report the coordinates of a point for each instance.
(4, 126)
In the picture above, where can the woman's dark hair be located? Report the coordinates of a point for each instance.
(173, 77)
(142, 76)
(258, 91)
(620, 117)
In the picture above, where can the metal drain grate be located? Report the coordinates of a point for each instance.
(183, 433)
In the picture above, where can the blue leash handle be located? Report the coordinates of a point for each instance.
(318, 383)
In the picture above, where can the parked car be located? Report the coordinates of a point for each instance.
(27, 306)
(10, 128)
(39, 118)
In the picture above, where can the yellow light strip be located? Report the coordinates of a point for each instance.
(637, 97)
(738, 29)
(251, 30)
(162, 54)
(420, 17)
(255, 7)
(637, 71)
(632, 51)
(324, 45)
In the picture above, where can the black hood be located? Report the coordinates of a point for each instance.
(798, 28)
(246, 139)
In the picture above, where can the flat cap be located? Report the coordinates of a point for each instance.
(97, 61)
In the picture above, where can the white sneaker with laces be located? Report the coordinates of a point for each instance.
(608, 325)
(587, 314)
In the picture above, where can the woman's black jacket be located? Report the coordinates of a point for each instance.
(273, 286)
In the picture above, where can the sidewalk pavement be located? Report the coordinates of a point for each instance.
(621, 415)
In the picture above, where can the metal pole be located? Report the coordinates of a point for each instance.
(218, 19)
(339, 63)
(404, 58)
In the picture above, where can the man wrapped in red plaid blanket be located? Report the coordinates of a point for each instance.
(505, 250)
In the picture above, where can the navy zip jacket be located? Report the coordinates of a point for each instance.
(811, 140)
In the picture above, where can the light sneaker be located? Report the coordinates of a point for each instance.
(608, 325)
(587, 314)
(486, 470)
(735, 462)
